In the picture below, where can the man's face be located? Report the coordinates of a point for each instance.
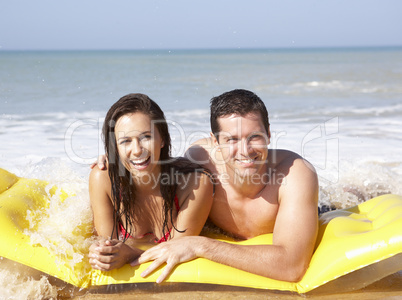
(243, 143)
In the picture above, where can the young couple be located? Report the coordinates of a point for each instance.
(142, 194)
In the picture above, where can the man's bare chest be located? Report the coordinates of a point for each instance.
(242, 217)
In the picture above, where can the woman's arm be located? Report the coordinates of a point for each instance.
(108, 252)
(101, 203)
(195, 194)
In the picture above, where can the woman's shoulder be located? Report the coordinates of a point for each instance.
(199, 180)
(189, 176)
(99, 177)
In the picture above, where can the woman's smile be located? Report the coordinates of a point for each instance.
(141, 164)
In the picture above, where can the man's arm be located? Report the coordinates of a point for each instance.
(294, 236)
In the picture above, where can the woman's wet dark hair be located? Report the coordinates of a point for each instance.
(123, 187)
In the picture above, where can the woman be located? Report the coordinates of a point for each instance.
(145, 195)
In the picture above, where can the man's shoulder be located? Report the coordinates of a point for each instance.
(290, 163)
(297, 177)
(205, 143)
(199, 151)
(278, 157)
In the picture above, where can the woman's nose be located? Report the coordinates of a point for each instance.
(136, 148)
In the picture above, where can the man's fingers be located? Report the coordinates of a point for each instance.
(149, 255)
(100, 162)
(102, 159)
(135, 263)
(152, 267)
(166, 271)
(143, 259)
(146, 256)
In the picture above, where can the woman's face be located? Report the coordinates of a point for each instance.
(139, 145)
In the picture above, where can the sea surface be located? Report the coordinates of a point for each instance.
(339, 108)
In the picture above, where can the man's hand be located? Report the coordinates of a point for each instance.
(101, 162)
(106, 255)
(173, 252)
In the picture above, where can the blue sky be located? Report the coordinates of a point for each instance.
(131, 24)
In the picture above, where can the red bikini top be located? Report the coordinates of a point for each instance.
(162, 239)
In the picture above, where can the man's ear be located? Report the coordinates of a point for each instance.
(214, 140)
(269, 134)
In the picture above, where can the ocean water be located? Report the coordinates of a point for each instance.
(339, 108)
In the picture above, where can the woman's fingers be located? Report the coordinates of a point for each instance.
(103, 254)
(98, 265)
(107, 247)
(110, 254)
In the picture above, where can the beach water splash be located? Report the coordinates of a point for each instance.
(359, 182)
(59, 227)
(18, 282)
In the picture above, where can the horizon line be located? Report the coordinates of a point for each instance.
(205, 48)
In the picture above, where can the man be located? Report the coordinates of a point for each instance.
(258, 191)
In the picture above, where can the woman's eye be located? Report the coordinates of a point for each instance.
(122, 142)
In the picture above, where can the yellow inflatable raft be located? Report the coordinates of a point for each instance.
(366, 238)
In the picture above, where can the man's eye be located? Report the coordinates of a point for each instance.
(257, 137)
(145, 137)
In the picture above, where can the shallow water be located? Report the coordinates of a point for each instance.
(388, 288)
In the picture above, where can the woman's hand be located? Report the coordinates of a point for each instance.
(106, 255)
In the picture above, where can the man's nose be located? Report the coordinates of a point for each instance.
(245, 146)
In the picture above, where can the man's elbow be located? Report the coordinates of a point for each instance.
(295, 272)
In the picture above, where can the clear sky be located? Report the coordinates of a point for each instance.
(163, 24)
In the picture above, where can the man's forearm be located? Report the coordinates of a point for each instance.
(266, 260)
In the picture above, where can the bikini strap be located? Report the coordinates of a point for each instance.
(176, 203)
